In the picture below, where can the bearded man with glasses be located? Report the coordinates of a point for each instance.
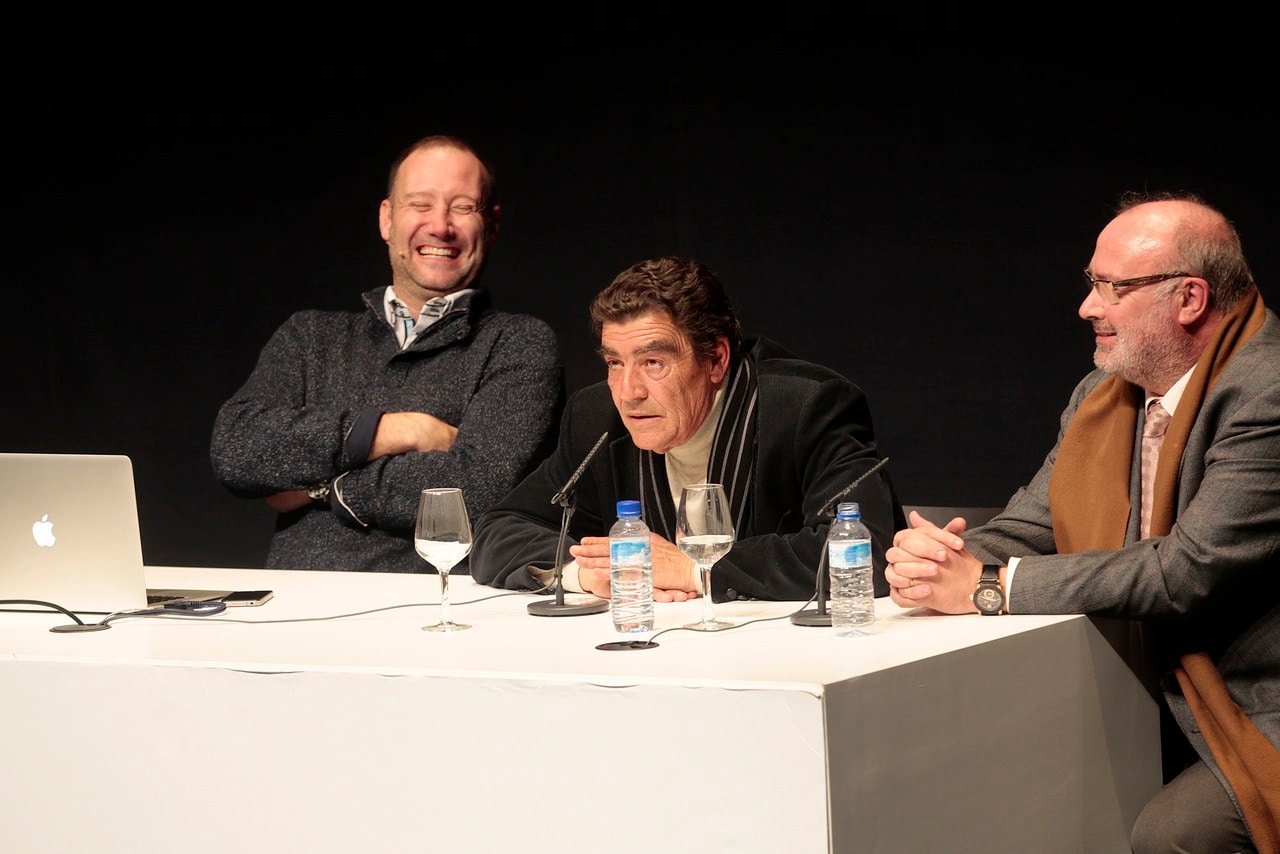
(1160, 504)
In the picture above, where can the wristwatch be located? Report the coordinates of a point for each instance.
(319, 492)
(989, 597)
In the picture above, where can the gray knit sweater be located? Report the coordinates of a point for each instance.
(497, 377)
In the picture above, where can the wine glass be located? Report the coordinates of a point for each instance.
(704, 531)
(442, 537)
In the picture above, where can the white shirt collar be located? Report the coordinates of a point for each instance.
(402, 320)
(1169, 400)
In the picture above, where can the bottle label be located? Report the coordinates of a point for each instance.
(629, 553)
(857, 553)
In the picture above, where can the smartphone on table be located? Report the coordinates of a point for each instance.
(240, 598)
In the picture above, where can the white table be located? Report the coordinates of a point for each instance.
(274, 729)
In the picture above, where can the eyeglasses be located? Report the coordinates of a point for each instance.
(1110, 291)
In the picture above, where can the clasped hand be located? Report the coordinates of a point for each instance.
(673, 570)
(930, 566)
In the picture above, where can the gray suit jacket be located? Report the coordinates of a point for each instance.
(1212, 584)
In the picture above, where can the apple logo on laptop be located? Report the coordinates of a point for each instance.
(43, 532)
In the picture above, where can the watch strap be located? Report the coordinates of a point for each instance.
(989, 585)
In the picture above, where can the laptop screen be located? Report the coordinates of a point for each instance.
(69, 532)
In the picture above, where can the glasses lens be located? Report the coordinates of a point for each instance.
(1104, 288)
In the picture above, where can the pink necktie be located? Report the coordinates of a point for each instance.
(1152, 436)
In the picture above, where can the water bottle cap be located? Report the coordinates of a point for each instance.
(628, 508)
(848, 510)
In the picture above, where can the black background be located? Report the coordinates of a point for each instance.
(929, 248)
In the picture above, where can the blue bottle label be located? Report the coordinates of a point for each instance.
(628, 552)
(850, 554)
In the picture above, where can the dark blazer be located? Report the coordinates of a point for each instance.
(1212, 584)
(814, 438)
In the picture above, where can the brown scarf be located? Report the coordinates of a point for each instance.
(1095, 460)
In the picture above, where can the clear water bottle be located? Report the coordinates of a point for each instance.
(853, 608)
(630, 571)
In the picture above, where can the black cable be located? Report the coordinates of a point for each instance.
(648, 643)
(50, 605)
(734, 626)
(331, 617)
(171, 611)
(162, 613)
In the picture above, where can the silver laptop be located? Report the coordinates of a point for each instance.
(69, 535)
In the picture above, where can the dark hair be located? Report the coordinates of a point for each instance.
(1208, 244)
(687, 290)
(488, 184)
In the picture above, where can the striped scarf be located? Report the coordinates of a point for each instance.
(731, 462)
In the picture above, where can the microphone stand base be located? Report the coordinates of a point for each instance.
(557, 606)
(585, 605)
(811, 618)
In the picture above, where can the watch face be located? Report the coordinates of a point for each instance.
(988, 600)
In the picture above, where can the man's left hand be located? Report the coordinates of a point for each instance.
(672, 569)
(930, 566)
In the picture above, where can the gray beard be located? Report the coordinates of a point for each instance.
(1154, 367)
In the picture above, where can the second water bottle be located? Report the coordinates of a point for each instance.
(853, 608)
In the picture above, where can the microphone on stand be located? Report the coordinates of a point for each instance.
(820, 616)
(558, 607)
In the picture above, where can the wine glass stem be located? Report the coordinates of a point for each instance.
(708, 611)
(444, 597)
